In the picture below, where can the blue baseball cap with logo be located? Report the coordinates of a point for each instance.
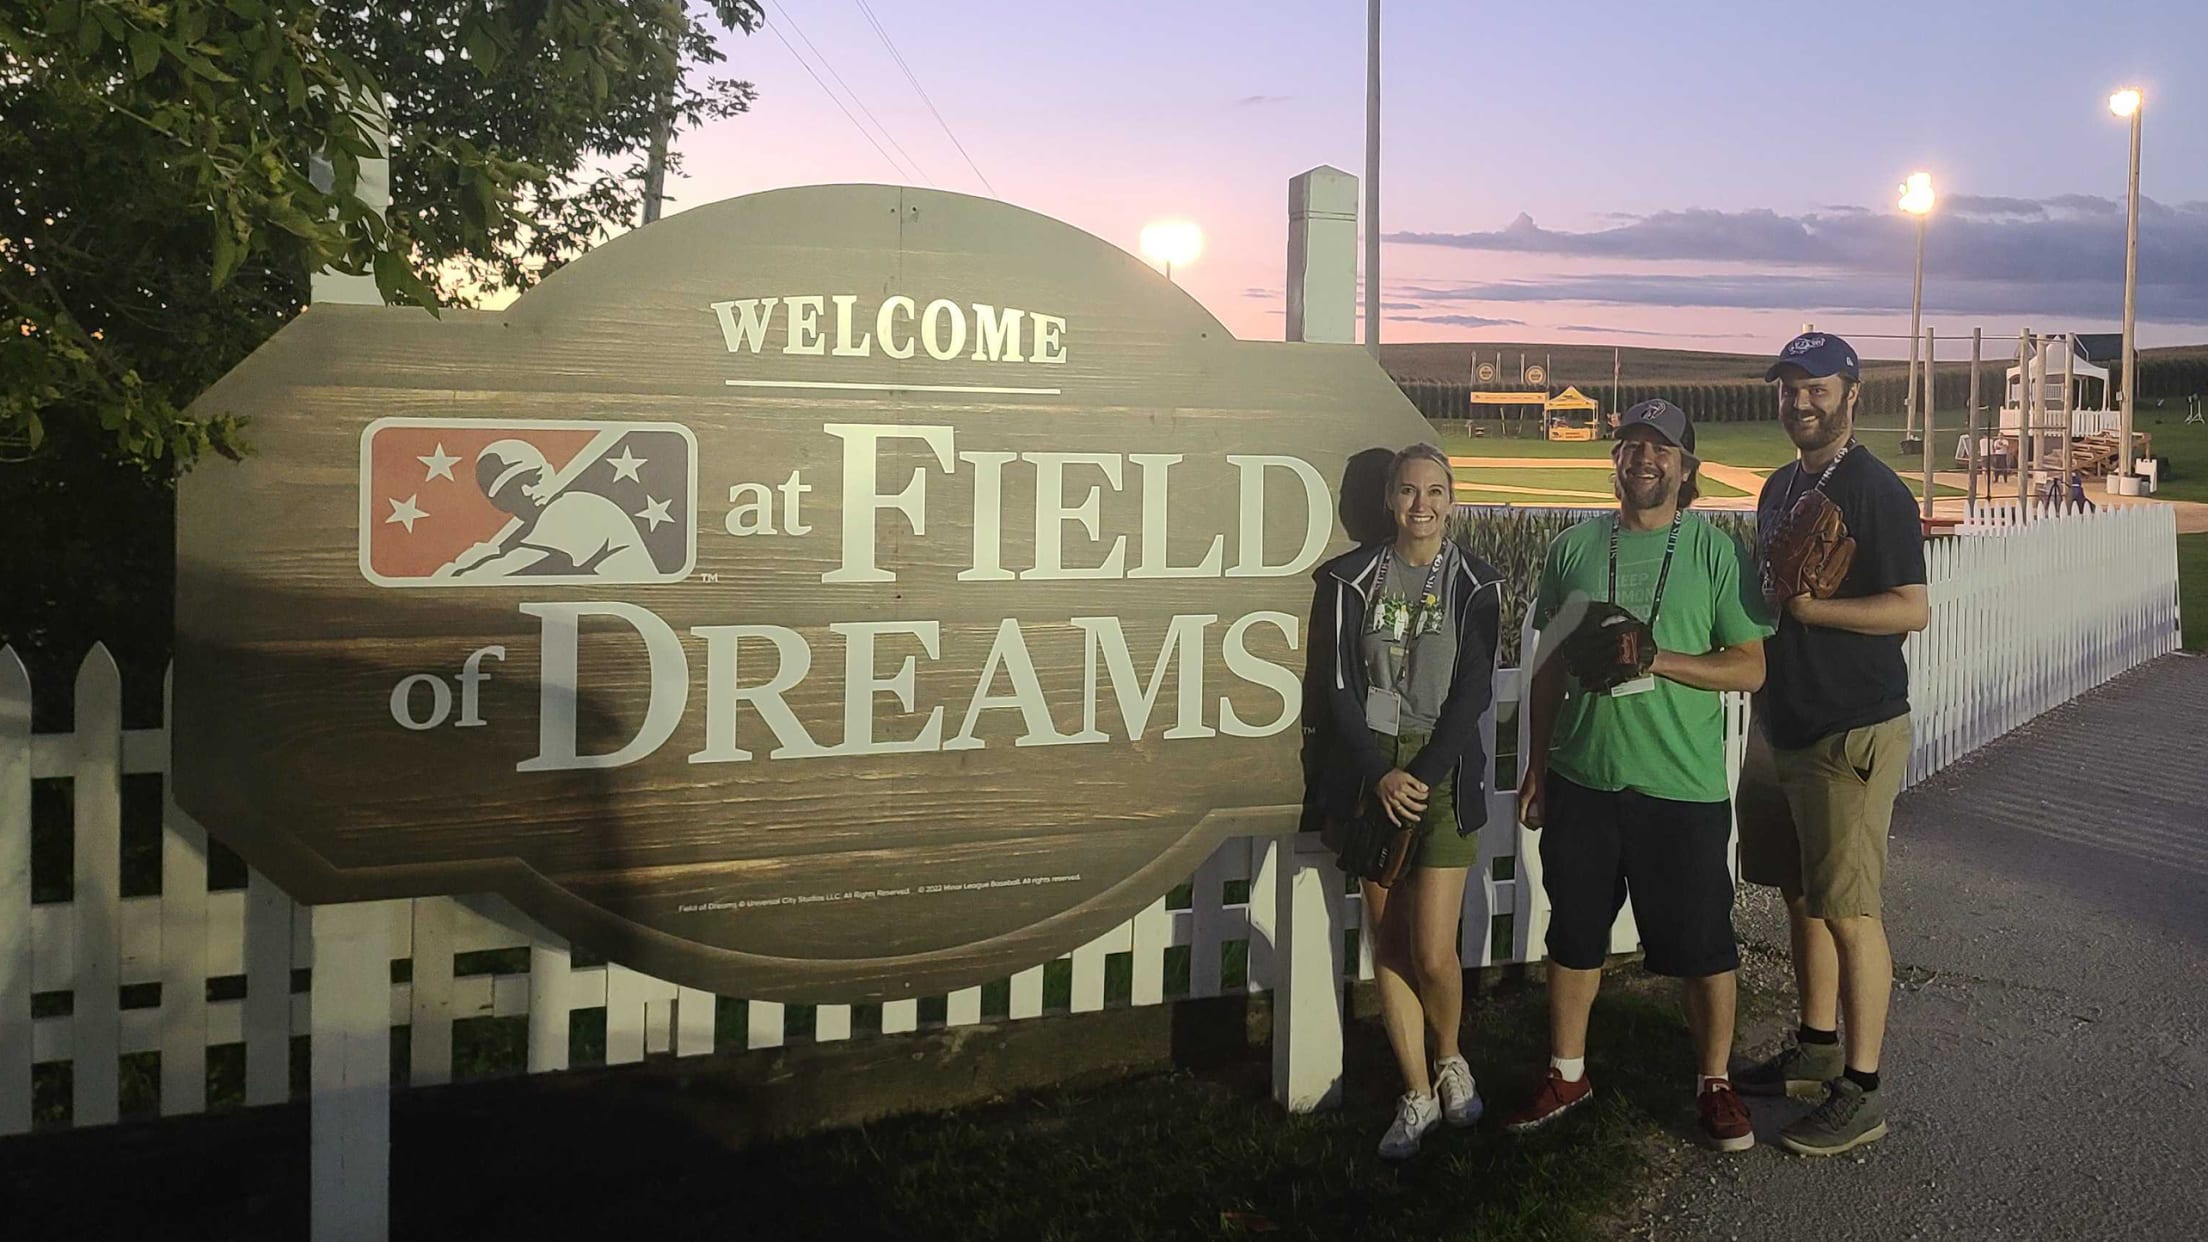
(1663, 418)
(1818, 354)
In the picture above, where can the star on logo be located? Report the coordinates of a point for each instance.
(624, 467)
(440, 465)
(405, 512)
(655, 512)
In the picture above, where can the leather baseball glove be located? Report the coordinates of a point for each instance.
(1609, 647)
(1810, 551)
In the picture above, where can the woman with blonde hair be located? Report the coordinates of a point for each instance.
(1403, 636)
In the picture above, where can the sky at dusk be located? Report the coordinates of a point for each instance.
(1703, 175)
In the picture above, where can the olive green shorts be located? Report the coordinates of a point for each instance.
(1814, 821)
(1438, 842)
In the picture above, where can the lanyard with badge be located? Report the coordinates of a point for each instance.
(1398, 623)
(1644, 683)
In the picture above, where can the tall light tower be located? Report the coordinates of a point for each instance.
(2128, 103)
(1372, 177)
(1172, 242)
(1916, 200)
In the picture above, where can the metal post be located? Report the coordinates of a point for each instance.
(1929, 421)
(1970, 420)
(1614, 370)
(2070, 405)
(1372, 177)
(1916, 326)
(2023, 419)
(2131, 298)
(655, 163)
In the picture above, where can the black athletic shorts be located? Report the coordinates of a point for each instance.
(1597, 847)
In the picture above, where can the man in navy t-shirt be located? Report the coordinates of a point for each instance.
(1829, 749)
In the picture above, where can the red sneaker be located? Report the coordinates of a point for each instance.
(1555, 1098)
(1724, 1119)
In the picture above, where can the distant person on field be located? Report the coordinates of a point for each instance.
(1827, 752)
(2078, 500)
(1626, 781)
(1403, 636)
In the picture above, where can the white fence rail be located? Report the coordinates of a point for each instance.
(2026, 616)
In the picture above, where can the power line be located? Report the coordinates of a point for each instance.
(776, 27)
(883, 34)
(831, 68)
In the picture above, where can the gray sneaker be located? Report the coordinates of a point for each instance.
(1849, 1118)
(1799, 1070)
(1415, 1114)
(1460, 1098)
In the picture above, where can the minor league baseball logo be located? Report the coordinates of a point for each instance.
(463, 503)
(1804, 344)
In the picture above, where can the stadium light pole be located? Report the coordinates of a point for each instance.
(2128, 103)
(1372, 177)
(1916, 200)
(1170, 242)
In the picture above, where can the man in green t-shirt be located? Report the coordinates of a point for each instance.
(1630, 780)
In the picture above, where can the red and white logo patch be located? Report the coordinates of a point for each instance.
(500, 502)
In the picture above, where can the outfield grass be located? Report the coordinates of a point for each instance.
(1579, 479)
(1753, 446)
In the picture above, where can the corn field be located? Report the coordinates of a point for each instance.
(1516, 541)
(1744, 401)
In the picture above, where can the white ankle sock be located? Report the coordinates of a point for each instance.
(1702, 1081)
(1572, 1068)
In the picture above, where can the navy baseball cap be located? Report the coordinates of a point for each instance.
(1819, 354)
(1663, 418)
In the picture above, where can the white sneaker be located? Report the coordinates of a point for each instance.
(1415, 1114)
(1460, 1099)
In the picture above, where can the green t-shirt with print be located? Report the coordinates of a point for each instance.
(1669, 741)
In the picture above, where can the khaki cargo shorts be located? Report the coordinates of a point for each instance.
(1814, 821)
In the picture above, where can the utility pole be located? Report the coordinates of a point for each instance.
(1372, 178)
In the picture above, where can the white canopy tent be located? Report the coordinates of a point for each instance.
(2087, 394)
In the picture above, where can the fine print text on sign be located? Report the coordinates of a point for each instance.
(833, 594)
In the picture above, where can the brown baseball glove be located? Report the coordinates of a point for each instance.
(1810, 551)
(1609, 647)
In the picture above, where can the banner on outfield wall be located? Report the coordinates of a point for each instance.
(833, 594)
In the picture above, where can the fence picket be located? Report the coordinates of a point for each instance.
(183, 1015)
(1027, 994)
(1207, 917)
(95, 1023)
(900, 1016)
(694, 1021)
(15, 894)
(627, 992)
(267, 1009)
(551, 1004)
(429, 1041)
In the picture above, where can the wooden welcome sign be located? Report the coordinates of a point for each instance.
(833, 594)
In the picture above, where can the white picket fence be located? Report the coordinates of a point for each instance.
(2026, 616)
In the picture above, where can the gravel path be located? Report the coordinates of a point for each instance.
(2047, 1063)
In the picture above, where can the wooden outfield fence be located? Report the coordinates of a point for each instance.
(155, 986)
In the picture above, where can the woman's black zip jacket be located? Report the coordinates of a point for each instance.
(1340, 759)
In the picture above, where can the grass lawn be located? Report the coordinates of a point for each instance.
(1206, 1154)
(2187, 449)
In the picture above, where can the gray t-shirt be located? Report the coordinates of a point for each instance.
(1408, 644)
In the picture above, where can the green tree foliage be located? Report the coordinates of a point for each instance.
(158, 219)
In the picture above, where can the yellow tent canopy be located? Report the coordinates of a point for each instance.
(1572, 399)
